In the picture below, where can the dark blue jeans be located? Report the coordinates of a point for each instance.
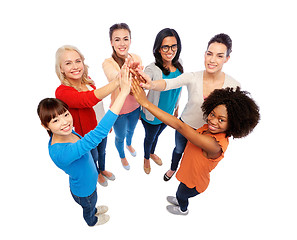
(183, 194)
(152, 133)
(180, 144)
(89, 207)
(98, 154)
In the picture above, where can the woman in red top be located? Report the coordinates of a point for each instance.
(227, 113)
(78, 91)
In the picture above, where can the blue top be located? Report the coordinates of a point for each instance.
(76, 160)
(167, 99)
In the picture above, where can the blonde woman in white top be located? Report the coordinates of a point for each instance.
(199, 85)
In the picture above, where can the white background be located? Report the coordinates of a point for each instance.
(252, 191)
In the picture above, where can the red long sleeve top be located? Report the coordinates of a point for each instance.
(80, 106)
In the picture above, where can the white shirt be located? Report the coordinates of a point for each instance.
(192, 113)
(98, 108)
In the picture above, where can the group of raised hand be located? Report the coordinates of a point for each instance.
(133, 79)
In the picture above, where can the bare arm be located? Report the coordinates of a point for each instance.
(112, 73)
(104, 91)
(207, 143)
(157, 85)
(125, 83)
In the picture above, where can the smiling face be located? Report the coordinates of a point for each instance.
(217, 120)
(71, 66)
(167, 44)
(215, 57)
(61, 125)
(120, 41)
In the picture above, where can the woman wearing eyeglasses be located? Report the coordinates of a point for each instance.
(167, 65)
(199, 85)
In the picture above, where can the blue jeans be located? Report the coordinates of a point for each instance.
(183, 194)
(152, 132)
(180, 144)
(89, 207)
(124, 128)
(98, 154)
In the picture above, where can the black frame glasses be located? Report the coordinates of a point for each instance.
(165, 48)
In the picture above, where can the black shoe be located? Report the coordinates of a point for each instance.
(166, 178)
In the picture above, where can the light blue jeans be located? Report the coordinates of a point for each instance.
(124, 128)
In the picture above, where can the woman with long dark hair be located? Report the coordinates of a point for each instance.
(199, 85)
(167, 65)
(120, 39)
(71, 152)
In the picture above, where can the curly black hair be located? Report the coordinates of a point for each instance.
(243, 112)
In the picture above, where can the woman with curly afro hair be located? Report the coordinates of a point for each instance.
(227, 112)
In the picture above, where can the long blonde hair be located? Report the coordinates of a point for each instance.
(85, 78)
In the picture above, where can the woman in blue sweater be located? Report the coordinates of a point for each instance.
(167, 65)
(71, 153)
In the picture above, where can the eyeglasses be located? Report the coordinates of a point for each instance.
(165, 48)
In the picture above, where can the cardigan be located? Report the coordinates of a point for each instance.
(192, 113)
(80, 106)
(155, 73)
(75, 159)
(111, 69)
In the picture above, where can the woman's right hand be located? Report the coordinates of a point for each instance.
(125, 80)
(139, 93)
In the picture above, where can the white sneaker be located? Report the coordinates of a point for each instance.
(100, 210)
(102, 218)
(176, 210)
(172, 200)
